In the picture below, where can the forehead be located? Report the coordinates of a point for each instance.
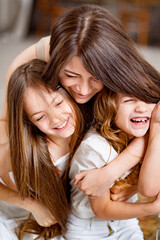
(35, 99)
(76, 64)
(40, 92)
(123, 95)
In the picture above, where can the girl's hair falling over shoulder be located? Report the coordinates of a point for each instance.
(34, 173)
(107, 52)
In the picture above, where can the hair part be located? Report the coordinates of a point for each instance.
(98, 38)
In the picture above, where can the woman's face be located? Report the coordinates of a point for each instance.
(50, 112)
(81, 85)
(133, 115)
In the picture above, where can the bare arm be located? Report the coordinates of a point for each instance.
(95, 182)
(106, 209)
(41, 214)
(149, 179)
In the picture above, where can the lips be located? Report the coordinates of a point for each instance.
(63, 125)
(82, 96)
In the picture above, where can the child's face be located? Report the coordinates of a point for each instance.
(81, 85)
(50, 112)
(133, 115)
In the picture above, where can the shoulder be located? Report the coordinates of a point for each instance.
(25, 56)
(42, 48)
(29, 54)
(93, 152)
(98, 144)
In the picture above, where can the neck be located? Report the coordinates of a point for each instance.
(58, 147)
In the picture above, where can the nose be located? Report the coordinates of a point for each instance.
(54, 116)
(84, 87)
(141, 107)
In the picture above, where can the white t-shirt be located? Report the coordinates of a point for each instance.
(93, 152)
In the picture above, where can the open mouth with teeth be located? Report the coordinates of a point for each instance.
(140, 120)
(62, 126)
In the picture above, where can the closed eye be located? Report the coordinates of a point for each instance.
(128, 100)
(70, 76)
(95, 79)
(38, 119)
(60, 102)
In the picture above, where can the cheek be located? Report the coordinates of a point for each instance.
(39, 126)
(99, 86)
(152, 107)
(42, 125)
(66, 82)
(121, 119)
(67, 109)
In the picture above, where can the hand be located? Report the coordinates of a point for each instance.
(42, 214)
(91, 182)
(156, 114)
(121, 195)
(125, 188)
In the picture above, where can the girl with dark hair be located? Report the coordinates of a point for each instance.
(43, 129)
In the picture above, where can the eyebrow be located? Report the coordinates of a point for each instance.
(36, 113)
(65, 70)
(53, 100)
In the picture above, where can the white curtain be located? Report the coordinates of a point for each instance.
(15, 16)
(8, 14)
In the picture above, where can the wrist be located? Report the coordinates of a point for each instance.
(110, 173)
(154, 139)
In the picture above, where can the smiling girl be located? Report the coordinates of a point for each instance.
(119, 118)
(43, 128)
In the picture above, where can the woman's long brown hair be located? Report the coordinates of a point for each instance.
(34, 173)
(106, 50)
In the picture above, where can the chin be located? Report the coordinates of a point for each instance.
(140, 134)
(81, 101)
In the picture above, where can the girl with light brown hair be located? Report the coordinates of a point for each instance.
(119, 119)
(43, 129)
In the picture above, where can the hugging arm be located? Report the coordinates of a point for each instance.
(95, 182)
(41, 214)
(106, 209)
(149, 179)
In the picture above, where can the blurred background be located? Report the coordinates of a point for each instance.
(24, 22)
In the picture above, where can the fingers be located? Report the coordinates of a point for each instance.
(116, 189)
(119, 197)
(124, 195)
(78, 177)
